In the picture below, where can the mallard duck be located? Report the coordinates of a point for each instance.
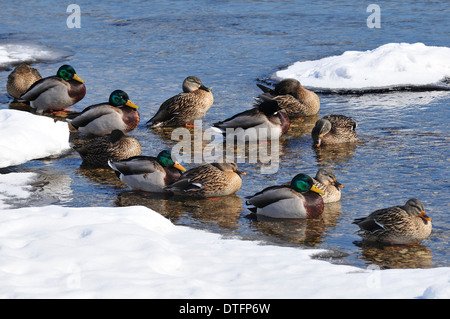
(247, 125)
(20, 80)
(208, 180)
(115, 147)
(334, 129)
(300, 199)
(55, 93)
(406, 224)
(148, 173)
(101, 119)
(184, 108)
(292, 97)
(325, 180)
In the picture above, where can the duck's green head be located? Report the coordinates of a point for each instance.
(67, 72)
(120, 98)
(165, 159)
(303, 183)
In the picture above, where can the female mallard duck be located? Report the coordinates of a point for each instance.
(148, 173)
(20, 80)
(247, 125)
(406, 224)
(57, 92)
(325, 180)
(208, 180)
(184, 108)
(115, 147)
(101, 119)
(334, 129)
(300, 199)
(293, 98)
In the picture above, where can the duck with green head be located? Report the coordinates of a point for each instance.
(55, 93)
(148, 173)
(119, 113)
(300, 199)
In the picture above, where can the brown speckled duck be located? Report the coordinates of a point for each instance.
(20, 80)
(406, 224)
(208, 180)
(115, 146)
(55, 93)
(334, 129)
(184, 108)
(300, 199)
(119, 113)
(293, 98)
(148, 173)
(325, 180)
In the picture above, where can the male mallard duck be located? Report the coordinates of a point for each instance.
(101, 119)
(208, 180)
(325, 180)
(20, 80)
(396, 225)
(293, 98)
(184, 108)
(115, 147)
(148, 173)
(57, 92)
(334, 129)
(247, 125)
(300, 199)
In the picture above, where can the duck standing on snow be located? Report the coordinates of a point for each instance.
(119, 113)
(266, 116)
(292, 97)
(300, 199)
(334, 129)
(148, 173)
(184, 108)
(408, 224)
(55, 93)
(325, 180)
(208, 180)
(20, 80)
(115, 147)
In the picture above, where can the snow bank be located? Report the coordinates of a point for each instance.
(134, 252)
(15, 52)
(15, 186)
(390, 65)
(25, 136)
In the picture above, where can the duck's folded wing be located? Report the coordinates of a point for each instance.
(246, 119)
(270, 195)
(341, 121)
(135, 165)
(38, 87)
(171, 108)
(91, 113)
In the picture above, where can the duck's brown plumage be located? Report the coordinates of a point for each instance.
(334, 129)
(21, 79)
(406, 224)
(293, 98)
(186, 107)
(115, 146)
(208, 180)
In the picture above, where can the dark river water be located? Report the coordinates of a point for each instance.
(147, 48)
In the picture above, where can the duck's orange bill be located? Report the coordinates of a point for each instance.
(424, 216)
(77, 78)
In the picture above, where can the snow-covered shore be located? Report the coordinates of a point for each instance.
(134, 252)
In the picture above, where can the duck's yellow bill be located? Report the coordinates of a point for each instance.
(179, 167)
(315, 189)
(131, 104)
(77, 78)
